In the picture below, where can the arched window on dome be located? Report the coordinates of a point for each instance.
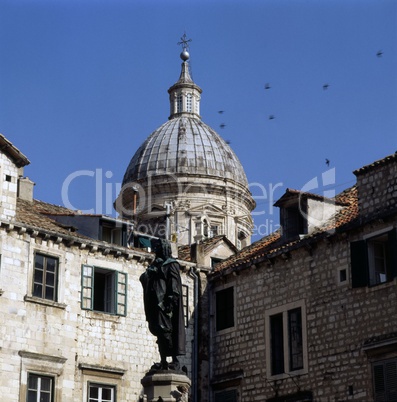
(179, 103)
(189, 99)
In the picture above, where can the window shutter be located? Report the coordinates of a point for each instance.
(392, 246)
(121, 294)
(87, 284)
(359, 263)
(385, 380)
(391, 380)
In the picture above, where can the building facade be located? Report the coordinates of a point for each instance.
(309, 315)
(73, 326)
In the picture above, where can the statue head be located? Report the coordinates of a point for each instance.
(162, 248)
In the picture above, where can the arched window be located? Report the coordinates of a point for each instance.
(179, 104)
(189, 102)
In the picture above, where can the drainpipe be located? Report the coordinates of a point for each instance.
(195, 337)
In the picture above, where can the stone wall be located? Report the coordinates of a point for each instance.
(63, 340)
(337, 321)
(377, 186)
(8, 187)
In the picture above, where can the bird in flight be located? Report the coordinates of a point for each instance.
(327, 162)
(221, 111)
(380, 53)
(271, 117)
(267, 86)
(222, 125)
(325, 86)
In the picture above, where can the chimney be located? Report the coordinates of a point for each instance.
(25, 189)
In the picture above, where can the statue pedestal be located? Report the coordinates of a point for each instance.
(166, 385)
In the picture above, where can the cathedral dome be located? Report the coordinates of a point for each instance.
(185, 145)
(184, 182)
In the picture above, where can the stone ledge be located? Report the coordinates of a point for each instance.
(44, 302)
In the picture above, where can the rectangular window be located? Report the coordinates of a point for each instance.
(101, 393)
(215, 261)
(224, 302)
(286, 339)
(45, 277)
(40, 388)
(374, 260)
(189, 102)
(185, 301)
(179, 104)
(104, 290)
(295, 222)
(226, 396)
(384, 375)
(295, 339)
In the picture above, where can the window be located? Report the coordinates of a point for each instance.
(45, 277)
(179, 104)
(185, 302)
(224, 302)
(384, 375)
(101, 393)
(189, 102)
(214, 230)
(104, 290)
(215, 261)
(295, 222)
(374, 260)
(226, 396)
(286, 339)
(40, 388)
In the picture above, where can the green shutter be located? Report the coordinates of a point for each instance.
(359, 263)
(87, 287)
(121, 293)
(392, 246)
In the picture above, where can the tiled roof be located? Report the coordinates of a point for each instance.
(273, 244)
(32, 214)
(292, 194)
(13, 152)
(380, 162)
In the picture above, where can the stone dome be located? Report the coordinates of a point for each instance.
(184, 182)
(185, 145)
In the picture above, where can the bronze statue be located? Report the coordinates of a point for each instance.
(162, 295)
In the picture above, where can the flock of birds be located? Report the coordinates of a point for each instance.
(272, 117)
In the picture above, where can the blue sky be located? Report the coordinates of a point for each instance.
(83, 83)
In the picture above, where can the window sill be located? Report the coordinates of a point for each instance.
(44, 302)
(381, 286)
(287, 375)
(98, 315)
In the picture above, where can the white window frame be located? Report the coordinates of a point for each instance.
(286, 346)
(42, 365)
(100, 387)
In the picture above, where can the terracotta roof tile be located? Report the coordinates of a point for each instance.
(380, 162)
(31, 213)
(273, 243)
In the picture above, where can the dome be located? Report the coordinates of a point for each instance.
(187, 146)
(184, 183)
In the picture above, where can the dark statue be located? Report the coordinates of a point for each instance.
(162, 295)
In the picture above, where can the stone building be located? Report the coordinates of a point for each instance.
(309, 313)
(73, 326)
